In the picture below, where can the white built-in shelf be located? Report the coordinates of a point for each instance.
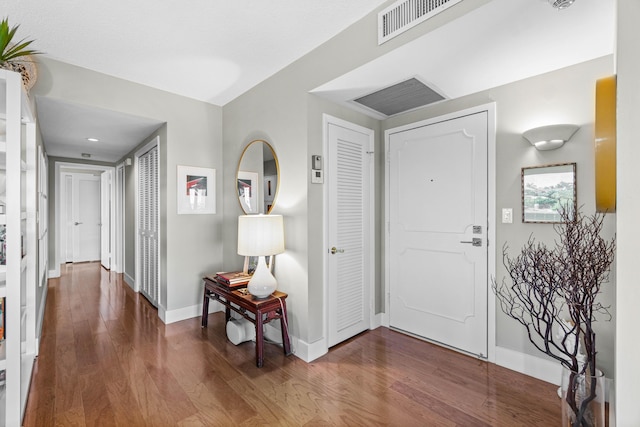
(3, 356)
(3, 219)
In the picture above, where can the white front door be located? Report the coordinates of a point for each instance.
(438, 206)
(105, 219)
(349, 180)
(86, 217)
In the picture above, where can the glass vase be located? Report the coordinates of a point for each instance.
(583, 399)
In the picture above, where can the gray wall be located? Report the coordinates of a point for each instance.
(282, 111)
(193, 137)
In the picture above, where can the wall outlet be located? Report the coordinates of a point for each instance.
(507, 215)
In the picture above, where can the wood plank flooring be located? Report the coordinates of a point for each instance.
(106, 359)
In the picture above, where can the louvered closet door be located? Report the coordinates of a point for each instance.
(348, 180)
(148, 225)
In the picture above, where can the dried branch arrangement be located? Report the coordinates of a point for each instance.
(553, 294)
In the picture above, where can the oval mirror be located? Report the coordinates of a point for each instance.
(257, 178)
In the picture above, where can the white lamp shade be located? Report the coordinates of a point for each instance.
(260, 235)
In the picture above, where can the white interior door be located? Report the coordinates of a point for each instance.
(148, 222)
(86, 217)
(437, 207)
(350, 233)
(105, 219)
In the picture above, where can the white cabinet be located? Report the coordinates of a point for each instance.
(18, 278)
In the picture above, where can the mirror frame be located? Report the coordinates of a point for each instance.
(262, 183)
(550, 176)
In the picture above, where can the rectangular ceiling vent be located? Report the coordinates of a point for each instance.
(399, 98)
(405, 14)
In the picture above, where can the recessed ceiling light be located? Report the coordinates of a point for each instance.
(86, 155)
(93, 139)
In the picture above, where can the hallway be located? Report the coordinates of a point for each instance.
(107, 359)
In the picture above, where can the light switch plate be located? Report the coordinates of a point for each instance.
(507, 215)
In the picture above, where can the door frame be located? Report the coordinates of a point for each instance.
(326, 121)
(490, 109)
(60, 169)
(118, 248)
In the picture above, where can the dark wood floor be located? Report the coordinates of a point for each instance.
(106, 359)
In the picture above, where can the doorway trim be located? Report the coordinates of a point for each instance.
(490, 109)
(326, 121)
(119, 207)
(54, 270)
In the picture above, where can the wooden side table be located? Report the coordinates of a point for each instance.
(264, 311)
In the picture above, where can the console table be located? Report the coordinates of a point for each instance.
(263, 310)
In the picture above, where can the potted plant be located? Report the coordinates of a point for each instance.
(16, 55)
(553, 294)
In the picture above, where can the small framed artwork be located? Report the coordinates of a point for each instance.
(546, 190)
(248, 191)
(196, 190)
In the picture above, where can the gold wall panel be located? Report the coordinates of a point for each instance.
(605, 144)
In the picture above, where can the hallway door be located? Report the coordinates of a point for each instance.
(349, 198)
(438, 231)
(85, 206)
(148, 223)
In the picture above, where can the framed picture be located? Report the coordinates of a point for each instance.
(546, 190)
(248, 191)
(196, 190)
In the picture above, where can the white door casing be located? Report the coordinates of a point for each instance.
(438, 179)
(62, 199)
(350, 233)
(118, 247)
(86, 217)
(105, 219)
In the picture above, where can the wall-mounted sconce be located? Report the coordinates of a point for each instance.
(561, 4)
(550, 137)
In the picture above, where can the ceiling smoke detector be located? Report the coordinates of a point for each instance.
(561, 4)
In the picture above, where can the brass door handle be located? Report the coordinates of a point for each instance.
(335, 250)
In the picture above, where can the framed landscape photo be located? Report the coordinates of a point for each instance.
(546, 190)
(196, 190)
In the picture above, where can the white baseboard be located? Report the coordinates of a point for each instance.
(376, 321)
(172, 316)
(129, 281)
(542, 369)
(40, 318)
(54, 273)
(309, 352)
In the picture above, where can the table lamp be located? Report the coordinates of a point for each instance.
(261, 235)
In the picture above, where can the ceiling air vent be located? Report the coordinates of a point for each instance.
(400, 97)
(405, 14)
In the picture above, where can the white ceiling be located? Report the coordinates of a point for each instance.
(499, 43)
(66, 126)
(210, 50)
(215, 50)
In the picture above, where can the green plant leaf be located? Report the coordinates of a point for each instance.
(9, 50)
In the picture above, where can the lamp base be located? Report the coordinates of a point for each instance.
(262, 283)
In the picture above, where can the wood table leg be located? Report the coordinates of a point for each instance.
(259, 340)
(284, 327)
(205, 309)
